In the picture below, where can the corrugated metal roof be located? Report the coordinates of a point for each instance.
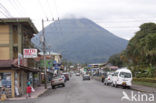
(49, 53)
(11, 63)
(20, 20)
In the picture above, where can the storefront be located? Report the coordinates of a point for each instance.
(7, 82)
(14, 80)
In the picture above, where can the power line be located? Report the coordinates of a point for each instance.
(5, 10)
(59, 23)
(15, 7)
(49, 8)
(20, 5)
(3, 14)
(51, 14)
(42, 8)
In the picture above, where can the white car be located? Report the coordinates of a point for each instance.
(59, 80)
(108, 80)
(122, 77)
(77, 74)
(86, 77)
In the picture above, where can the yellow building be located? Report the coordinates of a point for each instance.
(15, 35)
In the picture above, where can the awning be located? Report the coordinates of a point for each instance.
(5, 63)
(29, 69)
(9, 64)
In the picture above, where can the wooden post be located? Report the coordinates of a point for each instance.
(44, 52)
(13, 83)
(11, 41)
(19, 38)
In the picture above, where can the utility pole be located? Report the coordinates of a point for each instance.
(44, 52)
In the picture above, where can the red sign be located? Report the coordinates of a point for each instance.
(30, 53)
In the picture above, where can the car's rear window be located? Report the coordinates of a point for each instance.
(125, 75)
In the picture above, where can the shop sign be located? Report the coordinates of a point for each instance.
(30, 53)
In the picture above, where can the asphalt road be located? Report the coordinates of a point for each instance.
(79, 91)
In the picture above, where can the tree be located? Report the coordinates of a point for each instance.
(141, 50)
(115, 60)
(142, 47)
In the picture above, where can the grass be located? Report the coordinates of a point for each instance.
(145, 83)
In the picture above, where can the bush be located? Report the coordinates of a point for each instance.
(144, 72)
(151, 80)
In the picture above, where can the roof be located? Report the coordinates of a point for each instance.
(11, 63)
(20, 20)
(49, 53)
(123, 69)
(98, 64)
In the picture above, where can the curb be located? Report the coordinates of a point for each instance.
(97, 79)
(142, 90)
(42, 92)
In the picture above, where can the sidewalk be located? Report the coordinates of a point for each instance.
(38, 91)
(143, 88)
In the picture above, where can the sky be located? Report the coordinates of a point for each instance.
(121, 17)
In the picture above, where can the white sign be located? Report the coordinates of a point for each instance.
(138, 96)
(30, 53)
(20, 57)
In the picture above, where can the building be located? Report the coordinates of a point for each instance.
(15, 71)
(53, 55)
(53, 63)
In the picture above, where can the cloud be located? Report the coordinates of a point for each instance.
(118, 16)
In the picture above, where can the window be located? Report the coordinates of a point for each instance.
(116, 73)
(125, 75)
(15, 34)
(5, 81)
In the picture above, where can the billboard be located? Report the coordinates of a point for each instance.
(30, 53)
(49, 63)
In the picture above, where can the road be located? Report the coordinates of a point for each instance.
(79, 91)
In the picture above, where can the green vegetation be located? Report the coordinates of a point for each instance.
(150, 80)
(141, 49)
(145, 83)
(115, 60)
(140, 54)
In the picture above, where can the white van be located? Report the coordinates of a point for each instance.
(122, 77)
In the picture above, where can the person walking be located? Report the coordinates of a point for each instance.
(28, 91)
(28, 82)
(103, 78)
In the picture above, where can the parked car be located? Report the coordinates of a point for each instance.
(86, 77)
(77, 74)
(108, 79)
(66, 76)
(122, 77)
(56, 81)
(63, 77)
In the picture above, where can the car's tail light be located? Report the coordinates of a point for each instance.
(108, 78)
(60, 79)
(52, 81)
